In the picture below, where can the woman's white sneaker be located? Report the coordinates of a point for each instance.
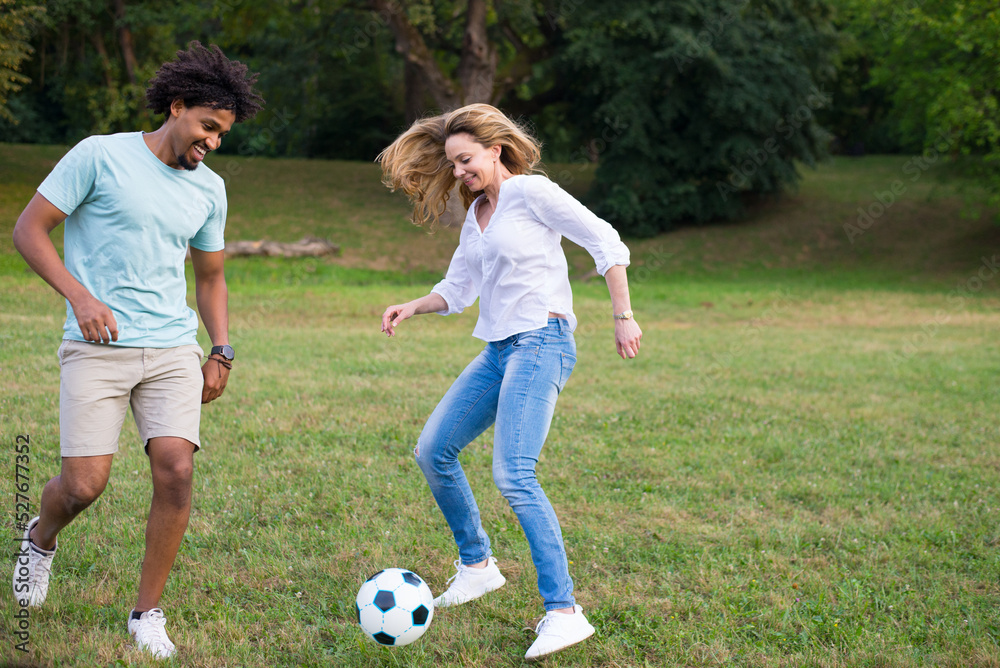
(558, 631)
(150, 633)
(470, 583)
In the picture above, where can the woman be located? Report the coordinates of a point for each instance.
(510, 258)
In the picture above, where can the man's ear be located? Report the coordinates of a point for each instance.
(177, 107)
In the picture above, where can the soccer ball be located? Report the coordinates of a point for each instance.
(394, 607)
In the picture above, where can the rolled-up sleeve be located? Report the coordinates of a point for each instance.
(554, 207)
(458, 288)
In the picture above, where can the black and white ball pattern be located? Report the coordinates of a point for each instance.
(395, 606)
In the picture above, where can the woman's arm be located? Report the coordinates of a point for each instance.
(554, 207)
(627, 332)
(431, 303)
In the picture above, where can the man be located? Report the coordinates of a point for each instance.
(133, 203)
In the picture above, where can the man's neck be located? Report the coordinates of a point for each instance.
(157, 143)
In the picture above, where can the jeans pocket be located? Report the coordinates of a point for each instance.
(568, 363)
(533, 339)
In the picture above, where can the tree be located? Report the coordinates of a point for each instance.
(861, 115)
(327, 70)
(354, 73)
(939, 62)
(688, 106)
(465, 51)
(17, 22)
(693, 106)
(93, 58)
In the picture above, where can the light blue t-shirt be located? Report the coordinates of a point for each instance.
(129, 221)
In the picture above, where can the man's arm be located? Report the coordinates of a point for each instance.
(213, 306)
(31, 239)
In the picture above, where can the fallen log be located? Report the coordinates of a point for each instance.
(306, 247)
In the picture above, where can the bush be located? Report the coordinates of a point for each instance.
(697, 105)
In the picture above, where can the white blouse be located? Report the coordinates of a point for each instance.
(517, 267)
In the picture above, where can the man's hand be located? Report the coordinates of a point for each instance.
(97, 322)
(216, 374)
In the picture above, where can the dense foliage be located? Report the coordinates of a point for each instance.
(17, 21)
(697, 103)
(936, 64)
(90, 67)
(690, 106)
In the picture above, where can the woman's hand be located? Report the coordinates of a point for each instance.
(627, 338)
(432, 303)
(627, 332)
(395, 315)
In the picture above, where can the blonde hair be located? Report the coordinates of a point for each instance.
(416, 162)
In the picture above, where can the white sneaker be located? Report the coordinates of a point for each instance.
(558, 631)
(470, 583)
(31, 571)
(150, 633)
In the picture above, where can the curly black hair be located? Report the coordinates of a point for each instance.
(205, 78)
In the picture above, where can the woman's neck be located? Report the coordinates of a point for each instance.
(492, 191)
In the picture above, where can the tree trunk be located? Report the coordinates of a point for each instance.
(98, 43)
(125, 40)
(478, 65)
(63, 49)
(41, 62)
(414, 49)
(414, 92)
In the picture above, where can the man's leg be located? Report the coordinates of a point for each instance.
(171, 460)
(79, 483)
(95, 382)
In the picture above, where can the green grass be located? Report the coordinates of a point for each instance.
(800, 469)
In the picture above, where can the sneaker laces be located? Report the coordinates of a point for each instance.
(41, 573)
(43, 565)
(542, 623)
(551, 620)
(458, 570)
(153, 629)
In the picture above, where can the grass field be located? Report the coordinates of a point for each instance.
(800, 468)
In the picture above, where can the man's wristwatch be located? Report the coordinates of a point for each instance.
(626, 315)
(226, 351)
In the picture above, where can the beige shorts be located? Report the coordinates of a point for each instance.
(98, 382)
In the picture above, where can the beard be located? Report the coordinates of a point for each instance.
(185, 163)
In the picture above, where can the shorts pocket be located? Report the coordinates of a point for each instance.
(66, 349)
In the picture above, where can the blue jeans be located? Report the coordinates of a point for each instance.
(515, 383)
